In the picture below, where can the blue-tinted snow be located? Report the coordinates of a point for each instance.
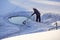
(11, 29)
(8, 29)
(50, 18)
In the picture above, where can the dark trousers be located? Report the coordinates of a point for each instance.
(38, 18)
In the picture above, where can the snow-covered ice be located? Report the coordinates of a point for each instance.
(11, 22)
(17, 28)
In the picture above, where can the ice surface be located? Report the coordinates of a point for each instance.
(8, 29)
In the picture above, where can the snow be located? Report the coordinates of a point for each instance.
(49, 35)
(50, 18)
(17, 28)
(5, 31)
(54, 23)
(11, 21)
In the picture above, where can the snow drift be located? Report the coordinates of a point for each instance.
(49, 35)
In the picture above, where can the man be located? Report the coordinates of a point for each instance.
(38, 15)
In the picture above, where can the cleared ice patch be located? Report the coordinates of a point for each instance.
(17, 20)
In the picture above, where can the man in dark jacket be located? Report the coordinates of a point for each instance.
(38, 15)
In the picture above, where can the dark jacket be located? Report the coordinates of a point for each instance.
(38, 17)
(36, 12)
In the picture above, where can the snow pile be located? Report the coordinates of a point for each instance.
(50, 18)
(51, 15)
